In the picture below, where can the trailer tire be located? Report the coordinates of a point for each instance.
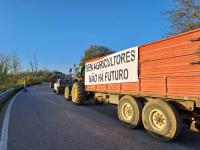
(161, 120)
(67, 93)
(130, 112)
(78, 92)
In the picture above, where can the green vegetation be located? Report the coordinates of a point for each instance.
(95, 51)
(12, 75)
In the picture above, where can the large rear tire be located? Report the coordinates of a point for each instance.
(78, 92)
(130, 112)
(161, 120)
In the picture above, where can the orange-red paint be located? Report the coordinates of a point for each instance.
(166, 68)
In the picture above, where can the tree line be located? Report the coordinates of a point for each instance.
(12, 73)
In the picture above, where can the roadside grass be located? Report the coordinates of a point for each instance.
(12, 85)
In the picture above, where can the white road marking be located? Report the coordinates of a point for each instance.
(4, 131)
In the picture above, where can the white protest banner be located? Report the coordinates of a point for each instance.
(119, 67)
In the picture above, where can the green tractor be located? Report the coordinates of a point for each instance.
(76, 90)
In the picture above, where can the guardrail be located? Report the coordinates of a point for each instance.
(6, 93)
(9, 91)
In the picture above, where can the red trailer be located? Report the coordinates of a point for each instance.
(167, 93)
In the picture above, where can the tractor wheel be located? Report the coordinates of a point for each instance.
(130, 112)
(161, 120)
(78, 92)
(67, 93)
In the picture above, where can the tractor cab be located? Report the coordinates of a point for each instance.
(77, 82)
(79, 73)
(57, 74)
(54, 77)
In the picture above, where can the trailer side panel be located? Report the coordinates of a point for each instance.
(169, 67)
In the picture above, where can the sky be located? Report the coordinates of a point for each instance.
(58, 31)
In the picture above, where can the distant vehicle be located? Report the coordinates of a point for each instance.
(60, 84)
(74, 77)
(156, 84)
(55, 76)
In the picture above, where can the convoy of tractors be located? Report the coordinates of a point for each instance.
(156, 85)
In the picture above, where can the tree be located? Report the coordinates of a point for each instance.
(14, 64)
(185, 16)
(4, 67)
(4, 64)
(33, 63)
(95, 51)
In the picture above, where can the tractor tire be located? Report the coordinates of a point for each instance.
(78, 92)
(67, 93)
(130, 112)
(161, 120)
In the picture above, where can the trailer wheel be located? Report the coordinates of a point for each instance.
(66, 93)
(161, 120)
(78, 92)
(130, 112)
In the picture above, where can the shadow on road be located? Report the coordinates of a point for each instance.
(186, 138)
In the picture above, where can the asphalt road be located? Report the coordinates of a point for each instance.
(42, 120)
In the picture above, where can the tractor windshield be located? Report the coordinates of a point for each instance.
(57, 74)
